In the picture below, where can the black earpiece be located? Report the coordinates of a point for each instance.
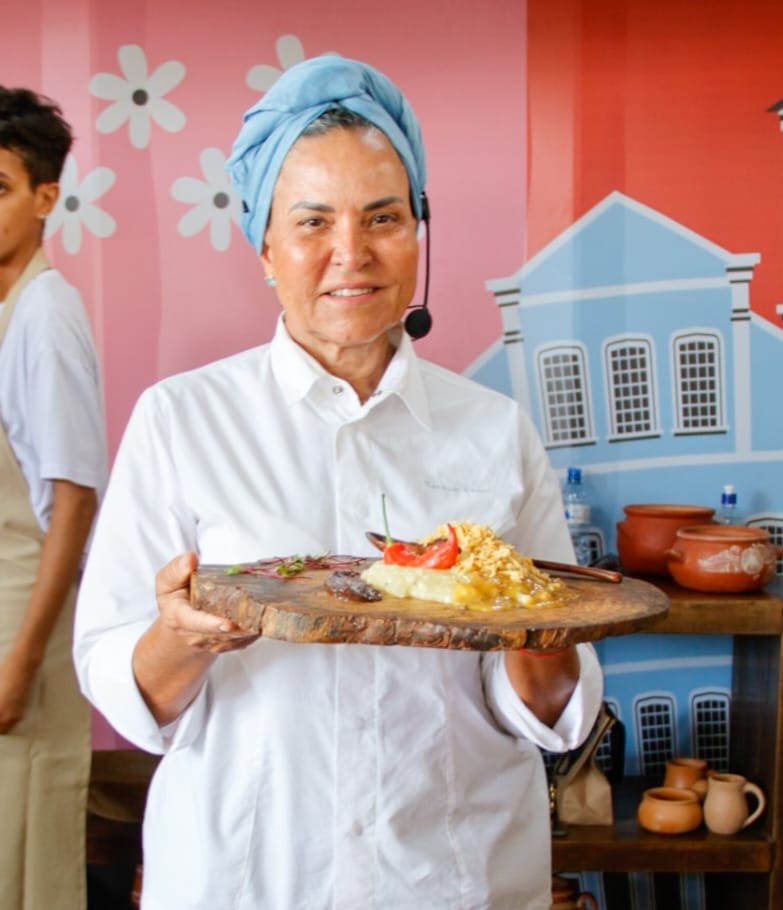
(419, 321)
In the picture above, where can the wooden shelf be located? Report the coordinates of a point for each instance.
(692, 612)
(626, 847)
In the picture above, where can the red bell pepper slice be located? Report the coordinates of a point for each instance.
(439, 554)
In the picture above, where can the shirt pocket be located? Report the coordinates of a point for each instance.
(431, 502)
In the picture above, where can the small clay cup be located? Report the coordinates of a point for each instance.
(668, 810)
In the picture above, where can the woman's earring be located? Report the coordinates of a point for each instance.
(270, 280)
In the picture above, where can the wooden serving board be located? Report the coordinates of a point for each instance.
(301, 609)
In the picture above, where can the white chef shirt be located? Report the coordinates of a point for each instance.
(313, 776)
(51, 402)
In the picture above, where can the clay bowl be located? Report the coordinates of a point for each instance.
(648, 531)
(667, 810)
(728, 559)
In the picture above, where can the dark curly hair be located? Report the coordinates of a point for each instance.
(32, 126)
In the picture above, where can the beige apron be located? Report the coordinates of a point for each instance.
(45, 759)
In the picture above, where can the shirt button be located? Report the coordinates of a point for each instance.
(357, 828)
(337, 390)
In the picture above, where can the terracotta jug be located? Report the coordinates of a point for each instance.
(567, 896)
(726, 808)
(688, 774)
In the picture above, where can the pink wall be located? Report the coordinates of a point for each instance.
(161, 302)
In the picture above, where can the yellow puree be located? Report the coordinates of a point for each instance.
(489, 574)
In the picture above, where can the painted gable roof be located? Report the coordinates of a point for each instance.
(618, 242)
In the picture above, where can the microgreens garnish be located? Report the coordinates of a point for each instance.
(291, 566)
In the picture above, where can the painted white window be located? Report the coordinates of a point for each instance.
(773, 525)
(698, 383)
(655, 733)
(710, 728)
(565, 395)
(630, 381)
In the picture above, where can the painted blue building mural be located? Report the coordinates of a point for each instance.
(631, 342)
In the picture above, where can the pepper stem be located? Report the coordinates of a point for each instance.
(389, 540)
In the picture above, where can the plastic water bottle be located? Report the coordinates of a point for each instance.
(728, 514)
(577, 512)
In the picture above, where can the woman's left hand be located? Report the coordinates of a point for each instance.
(544, 680)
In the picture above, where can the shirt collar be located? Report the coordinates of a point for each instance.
(297, 373)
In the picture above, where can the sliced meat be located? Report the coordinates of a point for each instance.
(349, 585)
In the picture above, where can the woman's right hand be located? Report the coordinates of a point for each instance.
(172, 658)
(197, 629)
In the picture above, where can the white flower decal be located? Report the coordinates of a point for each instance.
(75, 207)
(214, 201)
(138, 98)
(289, 51)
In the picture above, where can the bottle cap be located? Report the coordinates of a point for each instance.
(728, 488)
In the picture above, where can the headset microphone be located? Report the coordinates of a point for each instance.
(419, 321)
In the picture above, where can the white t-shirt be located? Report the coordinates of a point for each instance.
(313, 776)
(50, 391)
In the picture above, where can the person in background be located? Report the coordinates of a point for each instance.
(52, 469)
(312, 776)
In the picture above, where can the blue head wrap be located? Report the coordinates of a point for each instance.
(300, 96)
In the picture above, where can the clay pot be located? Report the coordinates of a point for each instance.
(726, 807)
(722, 558)
(667, 810)
(687, 774)
(567, 896)
(648, 531)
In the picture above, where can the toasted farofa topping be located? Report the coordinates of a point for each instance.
(484, 555)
